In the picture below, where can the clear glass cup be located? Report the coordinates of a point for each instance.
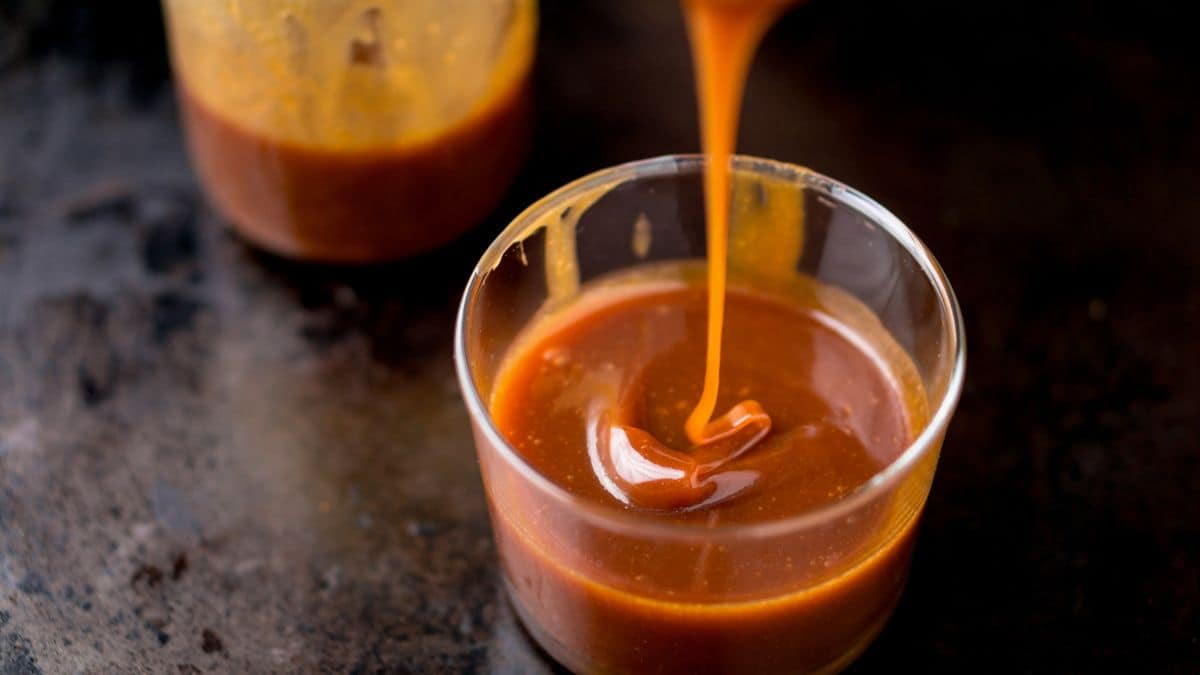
(806, 593)
(354, 130)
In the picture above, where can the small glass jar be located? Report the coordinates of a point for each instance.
(801, 594)
(351, 131)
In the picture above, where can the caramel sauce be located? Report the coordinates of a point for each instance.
(354, 205)
(596, 400)
(594, 397)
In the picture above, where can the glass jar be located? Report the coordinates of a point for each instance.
(354, 131)
(599, 586)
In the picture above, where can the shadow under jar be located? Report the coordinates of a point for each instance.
(607, 586)
(349, 131)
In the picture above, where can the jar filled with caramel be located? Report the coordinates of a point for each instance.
(350, 131)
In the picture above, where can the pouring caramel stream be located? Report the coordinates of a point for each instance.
(724, 35)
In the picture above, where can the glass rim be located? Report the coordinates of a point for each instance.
(613, 517)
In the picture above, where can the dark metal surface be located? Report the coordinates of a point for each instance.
(216, 461)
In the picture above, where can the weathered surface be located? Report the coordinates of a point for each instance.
(216, 461)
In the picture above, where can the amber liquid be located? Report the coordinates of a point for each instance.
(838, 416)
(628, 352)
(356, 205)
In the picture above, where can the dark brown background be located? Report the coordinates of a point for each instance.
(216, 461)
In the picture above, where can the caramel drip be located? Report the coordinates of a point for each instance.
(724, 36)
(647, 472)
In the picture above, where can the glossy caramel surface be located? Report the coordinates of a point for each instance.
(598, 406)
